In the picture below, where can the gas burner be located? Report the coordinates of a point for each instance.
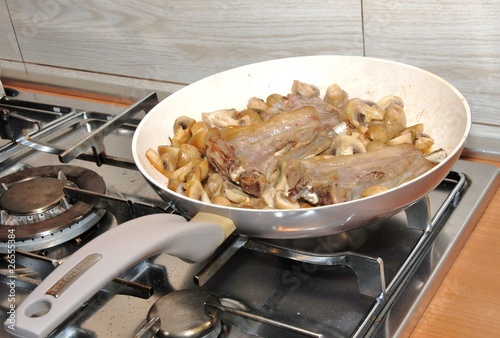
(182, 314)
(34, 207)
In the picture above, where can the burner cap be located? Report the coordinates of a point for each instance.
(32, 196)
(32, 202)
(182, 314)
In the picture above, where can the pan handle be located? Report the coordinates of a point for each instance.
(89, 269)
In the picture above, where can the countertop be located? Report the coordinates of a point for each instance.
(467, 304)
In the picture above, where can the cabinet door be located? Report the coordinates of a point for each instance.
(181, 41)
(9, 49)
(457, 40)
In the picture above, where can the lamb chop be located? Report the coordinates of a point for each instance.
(333, 179)
(248, 155)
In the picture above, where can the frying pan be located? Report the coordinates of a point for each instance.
(428, 99)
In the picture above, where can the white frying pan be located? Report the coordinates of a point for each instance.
(428, 99)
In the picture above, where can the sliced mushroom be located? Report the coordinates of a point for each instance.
(183, 122)
(198, 126)
(423, 142)
(437, 156)
(394, 119)
(181, 173)
(156, 161)
(169, 161)
(361, 113)
(377, 132)
(274, 99)
(257, 104)
(386, 101)
(236, 196)
(347, 145)
(268, 197)
(281, 201)
(194, 190)
(200, 170)
(213, 186)
(248, 116)
(374, 145)
(187, 153)
(220, 200)
(360, 136)
(335, 95)
(304, 89)
(174, 151)
(373, 190)
(199, 140)
(401, 139)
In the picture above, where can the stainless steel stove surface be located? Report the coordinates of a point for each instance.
(373, 281)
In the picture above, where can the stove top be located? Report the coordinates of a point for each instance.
(373, 281)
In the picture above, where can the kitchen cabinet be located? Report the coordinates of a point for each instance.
(9, 49)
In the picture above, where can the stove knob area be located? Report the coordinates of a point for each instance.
(75, 281)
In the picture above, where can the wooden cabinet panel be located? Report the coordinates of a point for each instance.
(181, 41)
(458, 40)
(9, 49)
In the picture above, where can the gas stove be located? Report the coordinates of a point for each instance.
(67, 177)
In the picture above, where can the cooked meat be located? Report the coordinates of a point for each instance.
(252, 152)
(335, 179)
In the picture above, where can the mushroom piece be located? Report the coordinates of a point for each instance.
(256, 104)
(169, 161)
(386, 101)
(168, 149)
(220, 200)
(194, 190)
(377, 132)
(275, 99)
(401, 139)
(199, 140)
(335, 95)
(187, 153)
(437, 156)
(423, 142)
(373, 190)
(183, 122)
(394, 119)
(347, 145)
(156, 161)
(181, 173)
(200, 171)
(213, 186)
(374, 145)
(304, 89)
(360, 113)
(249, 116)
(281, 201)
(182, 130)
(235, 196)
(198, 126)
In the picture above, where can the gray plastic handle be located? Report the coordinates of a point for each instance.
(89, 269)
